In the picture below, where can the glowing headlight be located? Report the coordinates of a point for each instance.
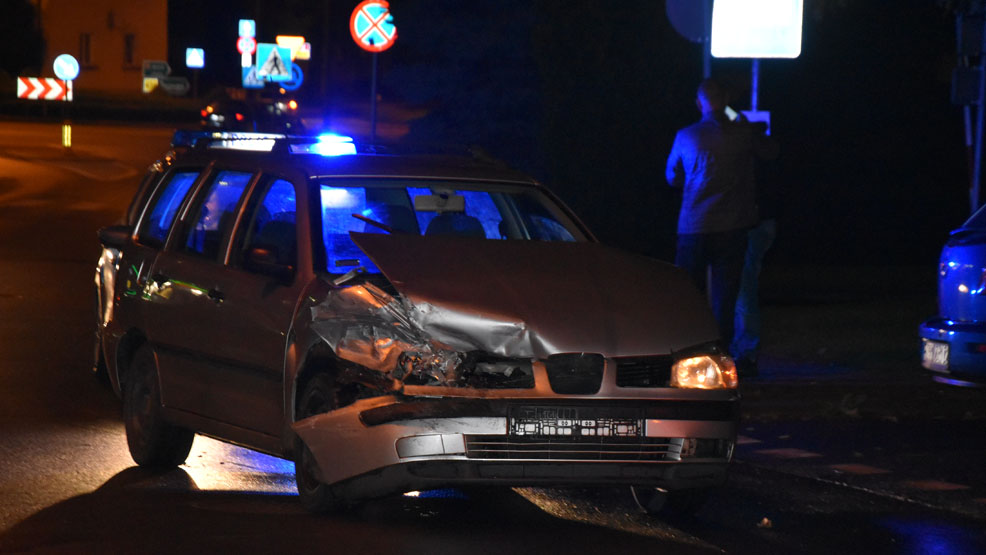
(704, 372)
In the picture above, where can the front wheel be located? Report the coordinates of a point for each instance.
(658, 502)
(320, 395)
(153, 442)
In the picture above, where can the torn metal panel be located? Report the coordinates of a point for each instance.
(365, 325)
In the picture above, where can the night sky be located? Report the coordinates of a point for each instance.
(587, 96)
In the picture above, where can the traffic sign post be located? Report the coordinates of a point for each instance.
(66, 68)
(372, 28)
(195, 60)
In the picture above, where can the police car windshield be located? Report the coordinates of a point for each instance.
(491, 211)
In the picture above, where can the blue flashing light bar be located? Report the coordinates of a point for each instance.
(329, 144)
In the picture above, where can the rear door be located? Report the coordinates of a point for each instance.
(185, 306)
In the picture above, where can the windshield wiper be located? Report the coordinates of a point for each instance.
(374, 223)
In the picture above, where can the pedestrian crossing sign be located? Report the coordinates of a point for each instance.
(273, 62)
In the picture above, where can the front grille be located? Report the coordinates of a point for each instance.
(649, 371)
(575, 373)
(572, 448)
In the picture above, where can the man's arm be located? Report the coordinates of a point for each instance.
(674, 172)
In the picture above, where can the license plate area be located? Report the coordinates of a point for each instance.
(934, 355)
(575, 422)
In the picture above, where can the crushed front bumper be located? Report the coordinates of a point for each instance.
(388, 445)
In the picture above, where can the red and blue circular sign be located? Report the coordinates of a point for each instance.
(372, 26)
(246, 45)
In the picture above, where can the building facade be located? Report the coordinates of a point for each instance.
(110, 38)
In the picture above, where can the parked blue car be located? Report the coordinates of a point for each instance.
(953, 343)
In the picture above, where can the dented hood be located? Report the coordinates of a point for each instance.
(533, 299)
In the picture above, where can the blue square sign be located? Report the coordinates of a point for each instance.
(273, 62)
(194, 58)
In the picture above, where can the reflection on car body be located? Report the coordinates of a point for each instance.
(953, 343)
(394, 323)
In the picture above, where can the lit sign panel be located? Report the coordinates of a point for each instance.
(757, 28)
(248, 28)
(66, 67)
(194, 58)
(372, 26)
(300, 50)
(273, 62)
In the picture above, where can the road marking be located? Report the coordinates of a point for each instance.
(859, 469)
(744, 440)
(933, 485)
(788, 453)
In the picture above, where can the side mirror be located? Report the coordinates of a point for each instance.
(115, 236)
(263, 260)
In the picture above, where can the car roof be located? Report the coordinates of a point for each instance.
(363, 164)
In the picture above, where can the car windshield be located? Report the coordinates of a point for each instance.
(494, 211)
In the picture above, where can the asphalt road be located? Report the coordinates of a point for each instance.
(67, 483)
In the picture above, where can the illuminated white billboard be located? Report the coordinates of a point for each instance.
(757, 28)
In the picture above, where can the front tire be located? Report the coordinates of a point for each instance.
(319, 396)
(153, 442)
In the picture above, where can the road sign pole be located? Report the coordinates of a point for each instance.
(66, 122)
(373, 101)
(195, 83)
(755, 85)
(980, 117)
(707, 39)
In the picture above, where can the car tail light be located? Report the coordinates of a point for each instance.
(239, 116)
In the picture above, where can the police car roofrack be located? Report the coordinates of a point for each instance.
(327, 144)
(204, 139)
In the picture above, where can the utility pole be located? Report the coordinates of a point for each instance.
(968, 87)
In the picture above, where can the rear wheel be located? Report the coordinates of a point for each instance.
(656, 501)
(319, 396)
(153, 442)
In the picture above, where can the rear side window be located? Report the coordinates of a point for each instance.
(165, 207)
(216, 213)
(272, 225)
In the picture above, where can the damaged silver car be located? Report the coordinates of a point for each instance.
(396, 323)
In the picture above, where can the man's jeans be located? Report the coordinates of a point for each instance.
(718, 258)
(746, 342)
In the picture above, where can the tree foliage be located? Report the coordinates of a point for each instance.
(20, 37)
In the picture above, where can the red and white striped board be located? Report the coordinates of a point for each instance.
(44, 88)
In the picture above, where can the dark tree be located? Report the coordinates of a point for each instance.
(20, 37)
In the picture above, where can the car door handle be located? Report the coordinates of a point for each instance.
(216, 295)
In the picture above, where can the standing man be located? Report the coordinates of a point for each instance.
(712, 161)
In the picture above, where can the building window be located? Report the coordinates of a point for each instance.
(85, 53)
(129, 48)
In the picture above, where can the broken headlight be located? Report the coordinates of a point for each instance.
(474, 369)
(713, 371)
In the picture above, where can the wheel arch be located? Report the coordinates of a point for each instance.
(126, 349)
